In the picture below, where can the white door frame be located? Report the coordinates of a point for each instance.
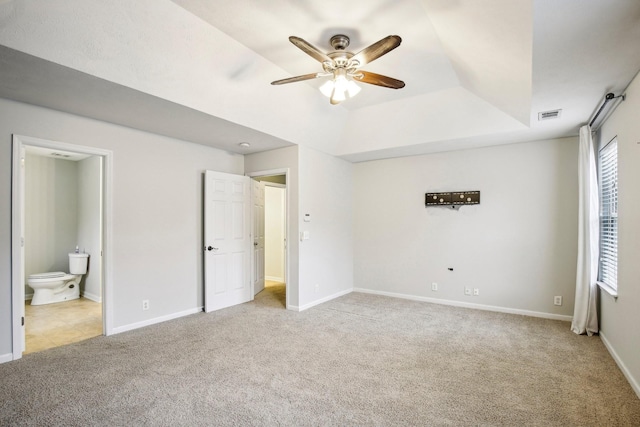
(17, 224)
(257, 234)
(275, 172)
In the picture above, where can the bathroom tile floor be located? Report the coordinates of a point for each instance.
(53, 325)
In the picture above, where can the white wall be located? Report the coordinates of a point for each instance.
(89, 223)
(326, 258)
(619, 319)
(518, 246)
(284, 158)
(51, 219)
(157, 211)
(274, 226)
(321, 185)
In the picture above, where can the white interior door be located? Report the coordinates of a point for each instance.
(257, 196)
(227, 240)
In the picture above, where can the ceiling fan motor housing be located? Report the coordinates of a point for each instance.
(339, 42)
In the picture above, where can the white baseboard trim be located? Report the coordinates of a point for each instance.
(468, 305)
(155, 320)
(293, 308)
(27, 297)
(635, 385)
(325, 299)
(274, 279)
(92, 297)
(4, 358)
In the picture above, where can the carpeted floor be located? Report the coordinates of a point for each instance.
(357, 360)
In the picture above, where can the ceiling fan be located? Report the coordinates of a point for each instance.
(344, 67)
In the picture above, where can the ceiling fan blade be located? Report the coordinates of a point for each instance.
(378, 80)
(309, 49)
(298, 78)
(376, 50)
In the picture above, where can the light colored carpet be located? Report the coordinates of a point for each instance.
(357, 360)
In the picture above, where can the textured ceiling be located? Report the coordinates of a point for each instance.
(477, 72)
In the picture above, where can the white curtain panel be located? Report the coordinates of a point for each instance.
(585, 316)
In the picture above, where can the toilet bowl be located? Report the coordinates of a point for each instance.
(59, 286)
(53, 287)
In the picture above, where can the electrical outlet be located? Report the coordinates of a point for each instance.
(467, 291)
(557, 300)
(434, 286)
(476, 292)
(145, 304)
(317, 288)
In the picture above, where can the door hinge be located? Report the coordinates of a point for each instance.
(22, 242)
(22, 320)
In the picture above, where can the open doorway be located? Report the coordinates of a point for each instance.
(270, 239)
(275, 240)
(58, 280)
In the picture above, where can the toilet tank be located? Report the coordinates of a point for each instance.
(78, 263)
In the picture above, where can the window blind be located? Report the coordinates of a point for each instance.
(608, 268)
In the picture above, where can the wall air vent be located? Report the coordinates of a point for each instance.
(548, 115)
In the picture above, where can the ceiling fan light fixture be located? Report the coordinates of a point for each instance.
(338, 95)
(327, 88)
(340, 87)
(352, 88)
(340, 80)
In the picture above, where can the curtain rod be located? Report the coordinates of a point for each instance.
(608, 97)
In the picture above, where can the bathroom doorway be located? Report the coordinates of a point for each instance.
(275, 236)
(275, 240)
(59, 207)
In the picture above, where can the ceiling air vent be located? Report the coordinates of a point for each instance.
(548, 115)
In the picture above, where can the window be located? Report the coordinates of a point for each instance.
(608, 265)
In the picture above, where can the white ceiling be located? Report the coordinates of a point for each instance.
(477, 72)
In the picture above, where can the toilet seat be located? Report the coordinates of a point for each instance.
(46, 277)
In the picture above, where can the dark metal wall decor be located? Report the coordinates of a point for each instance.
(454, 198)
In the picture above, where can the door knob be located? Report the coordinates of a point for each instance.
(211, 248)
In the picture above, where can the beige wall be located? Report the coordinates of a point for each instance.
(274, 220)
(157, 215)
(89, 223)
(619, 318)
(320, 185)
(51, 214)
(284, 159)
(518, 246)
(326, 258)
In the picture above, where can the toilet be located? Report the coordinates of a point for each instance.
(59, 286)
